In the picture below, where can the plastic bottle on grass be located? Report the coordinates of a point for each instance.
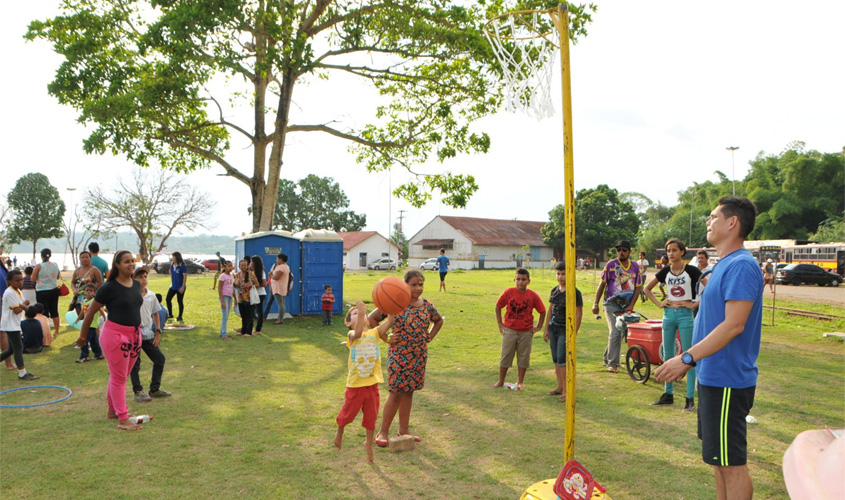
(140, 419)
(511, 386)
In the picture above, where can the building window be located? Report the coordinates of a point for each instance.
(445, 246)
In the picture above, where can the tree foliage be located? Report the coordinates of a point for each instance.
(796, 191)
(5, 222)
(145, 76)
(602, 218)
(314, 203)
(38, 210)
(152, 205)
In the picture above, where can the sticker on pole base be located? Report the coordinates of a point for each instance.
(576, 483)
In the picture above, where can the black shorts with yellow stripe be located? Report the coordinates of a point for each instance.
(721, 424)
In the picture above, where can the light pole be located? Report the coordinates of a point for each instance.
(733, 175)
(69, 227)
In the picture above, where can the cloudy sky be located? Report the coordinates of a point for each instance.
(660, 89)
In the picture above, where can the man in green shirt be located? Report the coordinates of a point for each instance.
(98, 261)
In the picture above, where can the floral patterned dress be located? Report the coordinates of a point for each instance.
(406, 358)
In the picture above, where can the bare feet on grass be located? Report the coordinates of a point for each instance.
(498, 384)
(338, 438)
(368, 445)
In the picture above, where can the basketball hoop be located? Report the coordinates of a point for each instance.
(525, 44)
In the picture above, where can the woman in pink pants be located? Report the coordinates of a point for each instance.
(121, 335)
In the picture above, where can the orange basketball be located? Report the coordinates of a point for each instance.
(391, 295)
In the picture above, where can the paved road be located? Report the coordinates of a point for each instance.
(810, 293)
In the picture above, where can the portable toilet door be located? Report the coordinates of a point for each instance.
(267, 245)
(322, 264)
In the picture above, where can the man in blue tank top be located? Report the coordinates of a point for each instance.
(726, 342)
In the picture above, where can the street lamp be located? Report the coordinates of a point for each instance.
(69, 226)
(733, 175)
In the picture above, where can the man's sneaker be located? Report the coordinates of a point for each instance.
(689, 407)
(161, 393)
(665, 399)
(142, 397)
(28, 376)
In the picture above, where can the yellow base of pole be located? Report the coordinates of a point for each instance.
(544, 490)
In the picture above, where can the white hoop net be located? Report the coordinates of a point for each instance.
(527, 53)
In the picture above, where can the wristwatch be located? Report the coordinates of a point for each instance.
(157, 330)
(687, 359)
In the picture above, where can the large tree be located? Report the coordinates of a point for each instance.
(38, 210)
(153, 205)
(146, 76)
(796, 191)
(315, 202)
(602, 218)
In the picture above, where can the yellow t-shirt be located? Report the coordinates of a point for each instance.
(364, 360)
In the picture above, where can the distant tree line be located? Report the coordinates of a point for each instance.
(799, 193)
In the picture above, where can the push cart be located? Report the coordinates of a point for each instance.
(645, 346)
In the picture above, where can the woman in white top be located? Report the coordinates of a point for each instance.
(45, 276)
(256, 265)
(680, 279)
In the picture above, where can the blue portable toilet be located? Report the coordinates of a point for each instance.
(269, 244)
(322, 264)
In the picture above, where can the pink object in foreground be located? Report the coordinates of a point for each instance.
(813, 465)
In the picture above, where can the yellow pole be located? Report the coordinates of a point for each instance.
(561, 20)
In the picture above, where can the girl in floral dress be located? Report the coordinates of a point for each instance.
(413, 329)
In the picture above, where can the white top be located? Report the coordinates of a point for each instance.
(11, 322)
(149, 307)
(262, 290)
(643, 264)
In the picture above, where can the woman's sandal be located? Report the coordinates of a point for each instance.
(129, 427)
(381, 443)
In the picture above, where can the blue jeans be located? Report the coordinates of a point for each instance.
(94, 342)
(557, 343)
(224, 323)
(680, 320)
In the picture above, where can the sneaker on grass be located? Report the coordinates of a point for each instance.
(28, 376)
(689, 407)
(665, 399)
(142, 397)
(161, 393)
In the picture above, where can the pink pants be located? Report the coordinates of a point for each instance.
(121, 345)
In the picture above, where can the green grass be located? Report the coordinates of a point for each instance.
(254, 418)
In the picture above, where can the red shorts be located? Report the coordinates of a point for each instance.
(357, 399)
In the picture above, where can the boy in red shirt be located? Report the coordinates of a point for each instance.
(518, 328)
(328, 304)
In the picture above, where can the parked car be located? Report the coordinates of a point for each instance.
(210, 264)
(429, 265)
(795, 274)
(382, 263)
(193, 267)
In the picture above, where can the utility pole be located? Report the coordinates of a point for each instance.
(401, 216)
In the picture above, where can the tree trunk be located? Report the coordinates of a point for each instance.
(270, 191)
(34, 243)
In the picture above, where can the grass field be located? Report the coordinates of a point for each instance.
(254, 417)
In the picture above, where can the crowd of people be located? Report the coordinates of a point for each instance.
(716, 311)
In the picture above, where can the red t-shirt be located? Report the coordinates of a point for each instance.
(327, 299)
(519, 315)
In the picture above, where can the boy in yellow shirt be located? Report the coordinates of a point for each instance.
(363, 375)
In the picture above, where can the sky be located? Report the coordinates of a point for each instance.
(660, 89)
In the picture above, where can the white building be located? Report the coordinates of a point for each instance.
(363, 247)
(473, 243)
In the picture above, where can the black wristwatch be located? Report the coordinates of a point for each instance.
(157, 330)
(687, 359)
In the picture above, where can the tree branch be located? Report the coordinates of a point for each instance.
(349, 137)
(230, 170)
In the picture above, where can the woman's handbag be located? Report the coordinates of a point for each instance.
(63, 290)
(254, 298)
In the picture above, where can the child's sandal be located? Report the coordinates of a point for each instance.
(83, 360)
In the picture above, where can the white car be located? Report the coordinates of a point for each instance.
(430, 265)
(383, 263)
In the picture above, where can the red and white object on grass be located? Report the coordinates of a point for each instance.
(576, 483)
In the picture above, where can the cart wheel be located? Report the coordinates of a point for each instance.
(636, 360)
